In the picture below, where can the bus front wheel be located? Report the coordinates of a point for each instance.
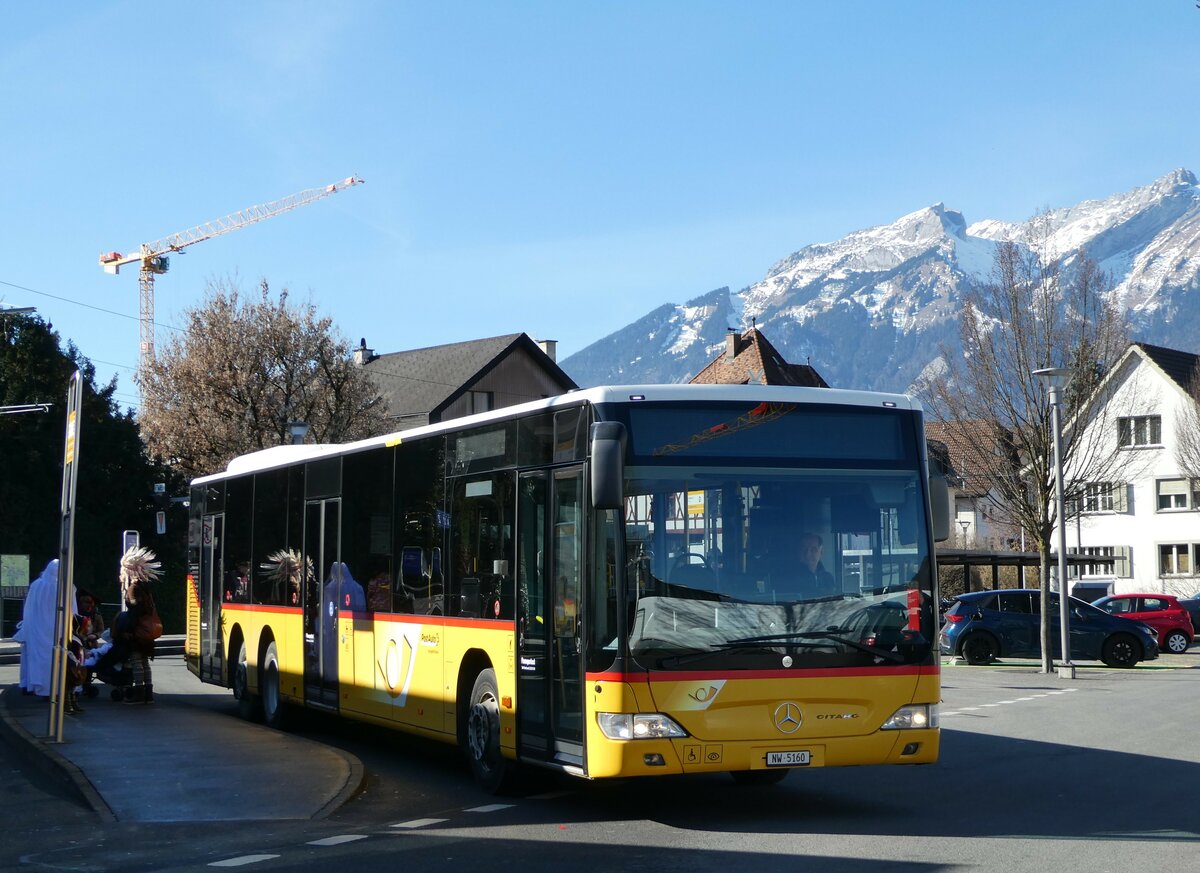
(488, 765)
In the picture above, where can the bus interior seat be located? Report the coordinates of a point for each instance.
(470, 603)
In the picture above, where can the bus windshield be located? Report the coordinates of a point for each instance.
(740, 561)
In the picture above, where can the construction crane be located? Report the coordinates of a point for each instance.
(152, 261)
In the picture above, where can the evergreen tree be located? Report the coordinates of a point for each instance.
(115, 477)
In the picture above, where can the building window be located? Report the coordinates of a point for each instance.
(479, 401)
(1175, 559)
(1110, 561)
(1098, 497)
(1175, 494)
(1139, 430)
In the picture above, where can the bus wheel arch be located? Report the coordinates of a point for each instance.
(479, 723)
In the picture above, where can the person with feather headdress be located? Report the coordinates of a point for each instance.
(138, 569)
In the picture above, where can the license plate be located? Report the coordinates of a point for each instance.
(789, 759)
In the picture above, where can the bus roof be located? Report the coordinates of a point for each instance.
(282, 456)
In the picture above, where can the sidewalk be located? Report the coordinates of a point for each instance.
(177, 759)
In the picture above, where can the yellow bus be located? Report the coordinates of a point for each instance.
(621, 581)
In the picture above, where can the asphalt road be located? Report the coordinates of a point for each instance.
(1037, 773)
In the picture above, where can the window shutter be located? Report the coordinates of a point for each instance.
(1122, 555)
(1121, 497)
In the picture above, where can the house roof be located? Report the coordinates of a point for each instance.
(1179, 366)
(963, 441)
(419, 381)
(757, 361)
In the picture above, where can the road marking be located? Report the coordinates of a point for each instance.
(963, 710)
(242, 860)
(491, 807)
(338, 840)
(419, 823)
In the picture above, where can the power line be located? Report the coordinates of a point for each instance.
(86, 306)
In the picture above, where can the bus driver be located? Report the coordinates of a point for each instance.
(813, 579)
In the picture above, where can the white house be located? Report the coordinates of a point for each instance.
(1144, 530)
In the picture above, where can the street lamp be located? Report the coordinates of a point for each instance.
(298, 430)
(1054, 379)
(964, 525)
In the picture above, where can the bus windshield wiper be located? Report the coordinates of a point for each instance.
(700, 654)
(833, 634)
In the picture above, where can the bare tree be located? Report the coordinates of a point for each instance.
(1038, 311)
(240, 371)
(1187, 429)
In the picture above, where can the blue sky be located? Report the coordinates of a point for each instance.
(559, 168)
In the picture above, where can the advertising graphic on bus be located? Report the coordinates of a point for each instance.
(616, 582)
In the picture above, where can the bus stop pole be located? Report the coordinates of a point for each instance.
(66, 575)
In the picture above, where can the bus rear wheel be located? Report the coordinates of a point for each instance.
(482, 735)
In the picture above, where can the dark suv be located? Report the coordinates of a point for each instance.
(985, 625)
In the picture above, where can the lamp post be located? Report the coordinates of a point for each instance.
(298, 430)
(1054, 379)
(964, 525)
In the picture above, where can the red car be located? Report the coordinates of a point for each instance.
(1161, 611)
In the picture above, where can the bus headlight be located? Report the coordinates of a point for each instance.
(913, 717)
(627, 726)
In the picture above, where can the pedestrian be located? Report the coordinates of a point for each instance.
(89, 617)
(35, 633)
(138, 569)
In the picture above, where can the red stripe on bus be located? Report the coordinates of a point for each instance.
(259, 607)
(443, 620)
(823, 673)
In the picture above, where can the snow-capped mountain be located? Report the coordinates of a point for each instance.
(874, 309)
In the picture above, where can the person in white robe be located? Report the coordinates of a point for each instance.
(36, 631)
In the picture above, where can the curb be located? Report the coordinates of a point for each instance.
(47, 761)
(353, 785)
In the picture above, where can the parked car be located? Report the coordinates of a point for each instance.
(1161, 611)
(1192, 605)
(984, 625)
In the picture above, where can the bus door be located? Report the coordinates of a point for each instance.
(549, 621)
(322, 527)
(212, 549)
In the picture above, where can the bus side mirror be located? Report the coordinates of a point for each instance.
(608, 465)
(939, 503)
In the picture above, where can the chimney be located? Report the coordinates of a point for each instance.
(362, 354)
(550, 347)
(731, 344)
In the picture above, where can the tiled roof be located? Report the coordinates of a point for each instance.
(417, 382)
(963, 441)
(1180, 366)
(756, 361)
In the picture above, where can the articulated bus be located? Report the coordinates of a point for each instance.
(615, 582)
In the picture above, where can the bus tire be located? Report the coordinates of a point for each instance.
(482, 739)
(247, 705)
(273, 704)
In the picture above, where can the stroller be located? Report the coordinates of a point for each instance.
(113, 669)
